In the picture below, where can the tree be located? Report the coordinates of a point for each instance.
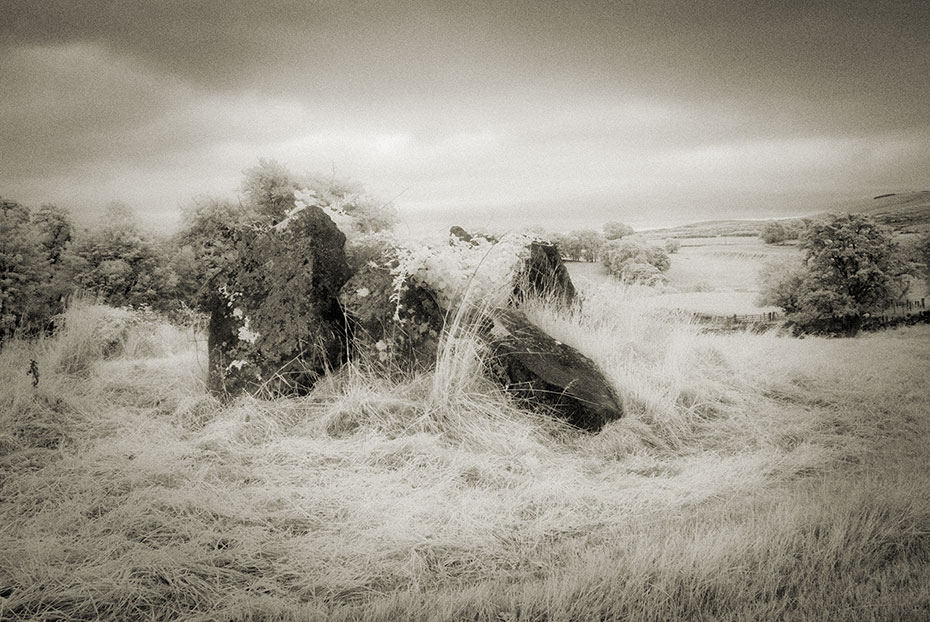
(23, 268)
(633, 260)
(773, 232)
(614, 230)
(121, 263)
(206, 243)
(852, 266)
(579, 245)
(923, 255)
(269, 189)
(54, 229)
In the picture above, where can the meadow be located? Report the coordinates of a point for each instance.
(753, 477)
(712, 275)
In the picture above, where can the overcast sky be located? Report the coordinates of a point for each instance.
(484, 113)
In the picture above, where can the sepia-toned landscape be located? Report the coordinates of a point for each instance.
(491, 312)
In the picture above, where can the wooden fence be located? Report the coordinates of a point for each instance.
(755, 321)
(901, 312)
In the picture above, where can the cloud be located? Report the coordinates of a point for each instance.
(610, 108)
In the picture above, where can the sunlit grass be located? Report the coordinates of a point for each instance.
(753, 477)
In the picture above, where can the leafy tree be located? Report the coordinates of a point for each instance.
(206, 243)
(23, 268)
(923, 255)
(579, 245)
(773, 232)
(672, 245)
(269, 189)
(852, 266)
(614, 230)
(633, 260)
(54, 228)
(120, 263)
(366, 214)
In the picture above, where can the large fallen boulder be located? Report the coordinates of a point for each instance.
(275, 323)
(534, 366)
(398, 323)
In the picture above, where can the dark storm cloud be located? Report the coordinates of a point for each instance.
(648, 105)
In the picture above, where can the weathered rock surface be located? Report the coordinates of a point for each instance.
(461, 234)
(533, 365)
(404, 332)
(275, 323)
(544, 275)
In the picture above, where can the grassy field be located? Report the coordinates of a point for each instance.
(754, 477)
(708, 275)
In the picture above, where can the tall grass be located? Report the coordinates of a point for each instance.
(754, 477)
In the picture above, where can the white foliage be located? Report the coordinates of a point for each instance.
(481, 271)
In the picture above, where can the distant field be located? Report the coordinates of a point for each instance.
(727, 266)
(711, 275)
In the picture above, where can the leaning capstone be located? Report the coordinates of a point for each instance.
(275, 323)
(534, 366)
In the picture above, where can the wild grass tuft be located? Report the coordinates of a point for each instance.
(754, 477)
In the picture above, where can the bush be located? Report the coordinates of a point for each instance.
(923, 255)
(633, 260)
(580, 245)
(852, 266)
(212, 229)
(773, 232)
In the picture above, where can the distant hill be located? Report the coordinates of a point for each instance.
(905, 212)
(710, 229)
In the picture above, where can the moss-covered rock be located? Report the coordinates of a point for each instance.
(275, 323)
(394, 322)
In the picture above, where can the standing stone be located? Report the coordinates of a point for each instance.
(544, 275)
(457, 232)
(275, 324)
(533, 365)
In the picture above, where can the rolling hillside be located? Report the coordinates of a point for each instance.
(905, 212)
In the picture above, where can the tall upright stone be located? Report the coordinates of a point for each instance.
(276, 324)
(544, 275)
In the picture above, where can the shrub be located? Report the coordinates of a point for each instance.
(580, 245)
(923, 255)
(633, 260)
(773, 232)
(212, 229)
(89, 332)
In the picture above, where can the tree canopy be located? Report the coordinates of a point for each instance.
(852, 266)
(633, 260)
(614, 230)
